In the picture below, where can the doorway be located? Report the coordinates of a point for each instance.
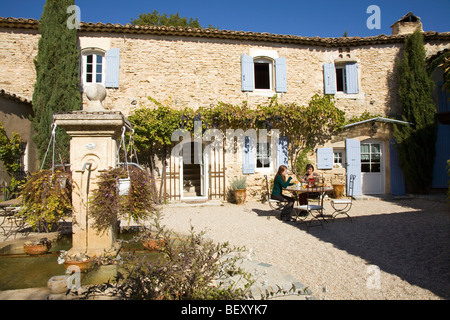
(194, 172)
(372, 166)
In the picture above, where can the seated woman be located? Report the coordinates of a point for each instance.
(280, 183)
(310, 174)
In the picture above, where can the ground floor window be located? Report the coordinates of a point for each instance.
(370, 157)
(263, 155)
(338, 158)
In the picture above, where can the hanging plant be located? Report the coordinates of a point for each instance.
(47, 197)
(106, 203)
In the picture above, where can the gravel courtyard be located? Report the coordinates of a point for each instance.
(393, 249)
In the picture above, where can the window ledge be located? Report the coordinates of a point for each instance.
(262, 93)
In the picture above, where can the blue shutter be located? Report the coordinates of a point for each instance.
(112, 68)
(325, 158)
(353, 155)
(329, 78)
(247, 73)
(351, 73)
(280, 75)
(397, 177)
(444, 96)
(440, 176)
(248, 160)
(282, 151)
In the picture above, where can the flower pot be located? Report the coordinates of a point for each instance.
(338, 190)
(83, 266)
(36, 249)
(240, 195)
(153, 244)
(124, 186)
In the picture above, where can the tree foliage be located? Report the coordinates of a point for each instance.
(156, 19)
(10, 151)
(57, 77)
(416, 142)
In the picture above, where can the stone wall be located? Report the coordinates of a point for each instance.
(197, 72)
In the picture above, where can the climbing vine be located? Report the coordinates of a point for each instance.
(305, 126)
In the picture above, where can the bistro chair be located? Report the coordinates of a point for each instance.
(343, 206)
(275, 205)
(308, 213)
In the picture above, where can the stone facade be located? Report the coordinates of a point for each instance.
(196, 68)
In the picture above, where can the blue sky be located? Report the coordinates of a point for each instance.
(324, 18)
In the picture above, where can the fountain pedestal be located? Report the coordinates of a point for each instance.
(93, 147)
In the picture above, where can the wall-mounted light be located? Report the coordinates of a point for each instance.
(374, 128)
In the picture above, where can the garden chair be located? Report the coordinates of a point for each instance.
(343, 206)
(275, 205)
(308, 213)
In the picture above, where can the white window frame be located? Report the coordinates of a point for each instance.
(340, 164)
(271, 153)
(344, 78)
(269, 61)
(370, 153)
(96, 53)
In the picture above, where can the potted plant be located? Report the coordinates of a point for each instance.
(46, 198)
(108, 203)
(38, 247)
(81, 261)
(239, 188)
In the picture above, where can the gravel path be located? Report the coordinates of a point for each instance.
(392, 249)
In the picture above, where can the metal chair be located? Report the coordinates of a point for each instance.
(274, 204)
(343, 206)
(308, 213)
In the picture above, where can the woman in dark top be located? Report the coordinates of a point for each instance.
(280, 183)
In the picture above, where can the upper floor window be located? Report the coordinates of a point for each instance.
(263, 74)
(93, 68)
(101, 67)
(341, 77)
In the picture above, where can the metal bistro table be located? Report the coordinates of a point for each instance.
(10, 222)
(313, 211)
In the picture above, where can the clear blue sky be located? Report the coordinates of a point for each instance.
(324, 18)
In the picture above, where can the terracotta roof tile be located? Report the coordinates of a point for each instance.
(12, 96)
(227, 34)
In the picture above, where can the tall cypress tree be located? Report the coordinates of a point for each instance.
(416, 142)
(57, 87)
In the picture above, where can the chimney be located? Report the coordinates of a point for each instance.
(407, 25)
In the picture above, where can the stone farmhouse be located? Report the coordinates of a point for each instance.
(201, 67)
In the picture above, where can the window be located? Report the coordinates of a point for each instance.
(263, 155)
(370, 157)
(263, 74)
(340, 79)
(338, 158)
(93, 68)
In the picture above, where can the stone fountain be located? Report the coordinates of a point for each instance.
(94, 134)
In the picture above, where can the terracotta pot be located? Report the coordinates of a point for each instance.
(240, 195)
(83, 265)
(153, 244)
(338, 190)
(36, 249)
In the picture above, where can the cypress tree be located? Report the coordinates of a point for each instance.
(416, 142)
(57, 88)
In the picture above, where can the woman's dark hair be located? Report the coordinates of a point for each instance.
(309, 165)
(281, 169)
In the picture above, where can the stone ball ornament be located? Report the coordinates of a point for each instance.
(96, 93)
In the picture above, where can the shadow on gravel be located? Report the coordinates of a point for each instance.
(412, 245)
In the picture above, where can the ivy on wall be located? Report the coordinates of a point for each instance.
(305, 126)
